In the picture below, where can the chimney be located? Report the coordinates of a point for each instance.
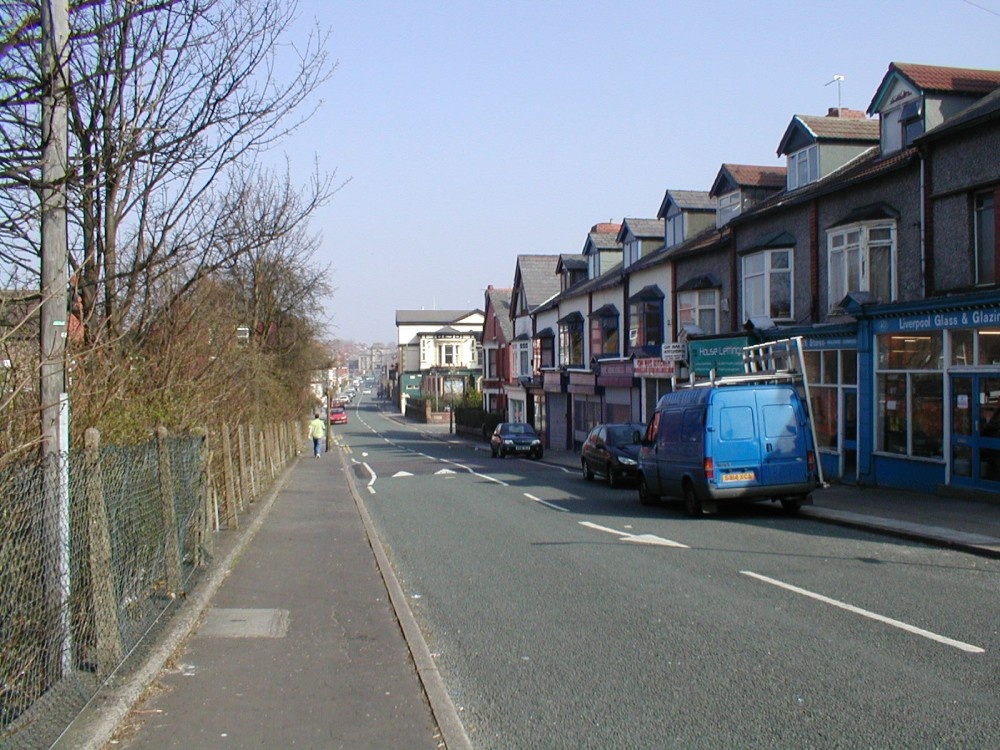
(845, 113)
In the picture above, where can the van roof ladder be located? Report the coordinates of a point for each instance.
(779, 361)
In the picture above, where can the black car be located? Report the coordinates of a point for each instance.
(612, 450)
(515, 438)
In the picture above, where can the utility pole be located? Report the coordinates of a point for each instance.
(54, 324)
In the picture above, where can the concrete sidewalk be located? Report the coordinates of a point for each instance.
(304, 641)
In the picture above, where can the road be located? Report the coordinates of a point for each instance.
(562, 614)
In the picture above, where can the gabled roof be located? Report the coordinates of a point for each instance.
(932, 79)
(535, 276)
(687, 201)
(499, 300)
(433, 317)
(571, 262)
(734, 176)
(642, 229)
(828, 128)
(603, 241)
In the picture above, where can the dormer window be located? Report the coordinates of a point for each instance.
(803, 167)
(911, 120)
(674, 230)
(729, 206)
(633, 250)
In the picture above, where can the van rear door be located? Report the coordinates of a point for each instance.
(735, 439)
(783, 436)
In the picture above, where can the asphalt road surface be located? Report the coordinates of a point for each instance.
(563, 614)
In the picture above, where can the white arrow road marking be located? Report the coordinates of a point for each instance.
(636, 538)
(402, 474)
(865, 613)
(546, 504)
(655, 540)
(444, 471)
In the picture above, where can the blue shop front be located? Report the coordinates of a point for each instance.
(927, 400)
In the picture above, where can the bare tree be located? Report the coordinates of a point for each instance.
(172, 104)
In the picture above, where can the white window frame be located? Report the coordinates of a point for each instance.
(698, 301)
(730, 206)
(849, 259)
(673, 231)
(806, 161)
(522, 359)
(449, 351)
(767, 273)
(633, 251)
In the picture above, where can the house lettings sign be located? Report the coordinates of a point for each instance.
(725, 356)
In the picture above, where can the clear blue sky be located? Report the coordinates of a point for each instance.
(476, 131)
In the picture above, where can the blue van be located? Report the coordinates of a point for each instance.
(713, 444)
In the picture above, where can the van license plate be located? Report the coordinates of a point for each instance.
(738, 476)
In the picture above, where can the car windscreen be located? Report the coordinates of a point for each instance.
(624, 434)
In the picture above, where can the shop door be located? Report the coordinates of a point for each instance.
(849, 435)
(975, 431)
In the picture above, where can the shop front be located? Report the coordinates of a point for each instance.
(654, 376)
(621, 398)
(556, 427)
(585, 404)
(935, 393)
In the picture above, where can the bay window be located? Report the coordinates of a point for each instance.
(767, 285)
(604, 332)
(571, 340)
(862, 258)
(699, 307)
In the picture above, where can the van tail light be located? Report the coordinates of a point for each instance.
(811, 461)
(709, 469)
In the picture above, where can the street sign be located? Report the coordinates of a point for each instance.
(674, 352)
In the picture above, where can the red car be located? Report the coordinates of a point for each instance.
(338, 414)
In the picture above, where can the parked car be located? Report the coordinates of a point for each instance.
(612, 450)
(515, 438)
(338, 414)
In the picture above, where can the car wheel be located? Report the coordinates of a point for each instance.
(692, 505)
(792, 505)
(587, 473)
(645, 496)
(613, 479)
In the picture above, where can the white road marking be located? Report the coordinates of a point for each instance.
(546, 504)
(866, 613)
(658, 541)
(590, 525)
(624, 536)
(401, 474)
(443, 471)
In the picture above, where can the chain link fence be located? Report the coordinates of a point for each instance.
(95, 546)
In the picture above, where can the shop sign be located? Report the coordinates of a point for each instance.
(653, 367)
(674, 352)
(725, 356)
(936, 321)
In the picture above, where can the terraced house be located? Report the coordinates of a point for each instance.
(876, 243)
